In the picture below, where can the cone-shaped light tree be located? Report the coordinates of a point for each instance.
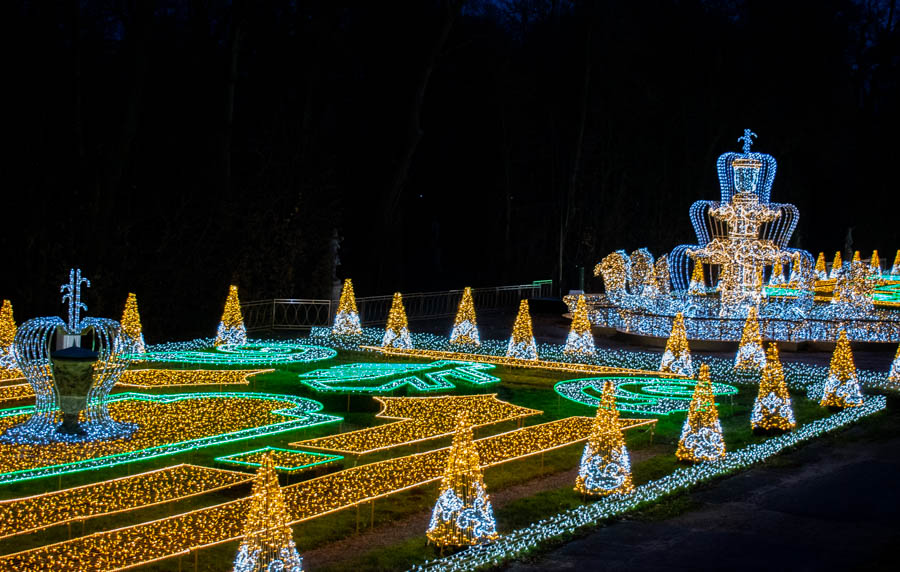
(836, 265)
(677, 356)
(462, 515)
(7, 337)
(268, 542)
(842, 386)
(750, 355)
(821, 272)
(895, 269)
(131, 335)
(396, 332)
(777, 277)
(875, 264)
(580, 339)
(346, 320)
(697, 285)
(772, 408)
(856, 257)
(605, 464)
(521, 342)
(465, 327)
(231, 328)
(701, 435)
(894, 375)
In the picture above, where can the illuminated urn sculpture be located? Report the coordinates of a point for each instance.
(73, 373)
(71, 385)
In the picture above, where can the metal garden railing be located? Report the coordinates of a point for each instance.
(299, 314)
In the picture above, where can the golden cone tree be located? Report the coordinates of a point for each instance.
(701, 435)
(697, 286)
(750, 355)
(895, 269)
(268, 542)
(521, 342)
(772, 408)
(836, 265)
(875, 263)
(605, 464)
(465, 326)
(856, 257)
(346, 320)
(131, 336)
(462, 515)
(894, 374)
(842, 386)
(580, 339)
(821, 273)
(396, 332)
(777, 277)
(8, 365)
(677, 355)
(231, 328)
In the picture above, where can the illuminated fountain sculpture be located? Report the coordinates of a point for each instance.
(742, 262)
(743, 233)
(71, 382)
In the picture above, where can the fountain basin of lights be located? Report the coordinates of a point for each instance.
(742, 246)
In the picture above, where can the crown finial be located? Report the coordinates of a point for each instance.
(748, 140)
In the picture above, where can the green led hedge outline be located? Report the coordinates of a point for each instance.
(233, 459)
(336, 379)
(303, 411)
(661, 396)
(241, 354)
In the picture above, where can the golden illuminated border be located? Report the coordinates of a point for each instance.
(420, 419)
(157, 540)
(175, 483)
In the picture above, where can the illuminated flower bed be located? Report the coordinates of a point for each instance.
(167, 424)
(648, 395)
(178, 482)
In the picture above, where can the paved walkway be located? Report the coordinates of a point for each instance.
(832, 505)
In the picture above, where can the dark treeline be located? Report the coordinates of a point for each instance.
(171, 148)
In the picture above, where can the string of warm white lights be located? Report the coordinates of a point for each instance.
(519, 542)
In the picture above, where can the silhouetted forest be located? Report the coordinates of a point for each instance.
(170, 148)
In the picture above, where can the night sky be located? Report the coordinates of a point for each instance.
(170, 148)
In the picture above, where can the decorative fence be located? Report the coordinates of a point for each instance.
(296, 314)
